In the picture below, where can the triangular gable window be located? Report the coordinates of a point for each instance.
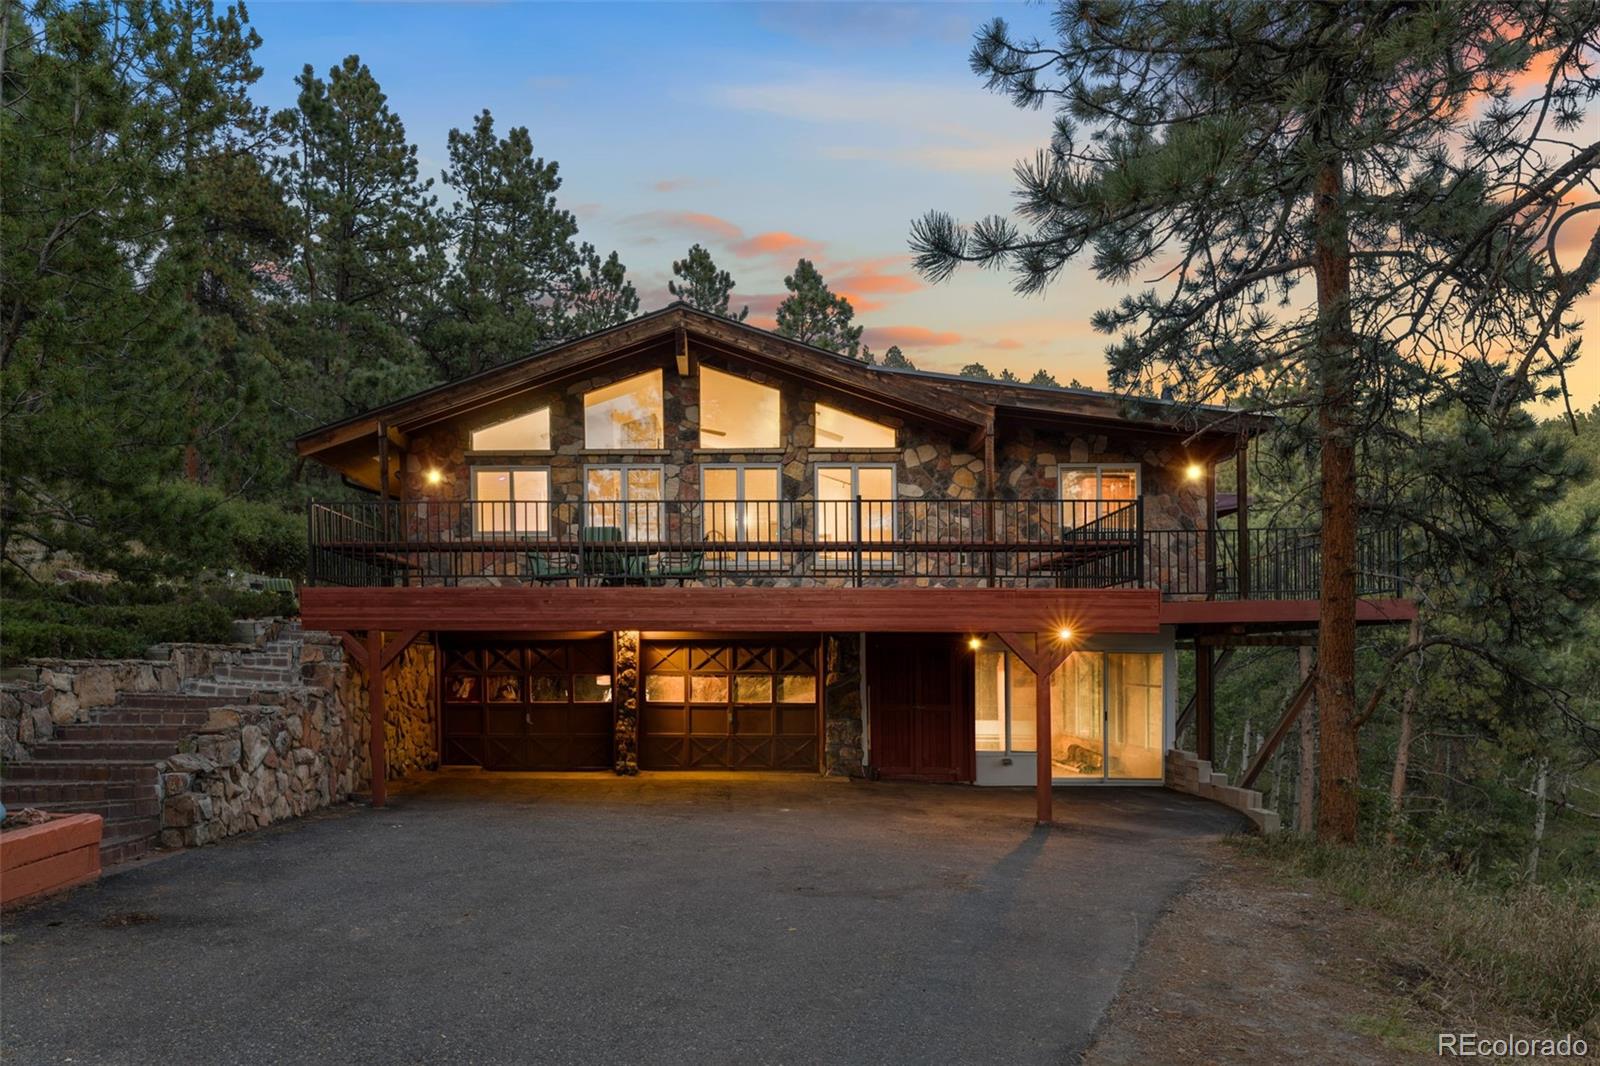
(525, 433)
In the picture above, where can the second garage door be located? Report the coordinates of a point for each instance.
(528, 705)
(729, 705)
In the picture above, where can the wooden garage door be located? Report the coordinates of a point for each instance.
(729, 706)
(528, 706)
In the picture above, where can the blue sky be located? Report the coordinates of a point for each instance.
(764, 131)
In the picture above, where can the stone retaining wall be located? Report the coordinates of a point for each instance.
(841, 686)
(1187, 772)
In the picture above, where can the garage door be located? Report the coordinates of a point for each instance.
(528, 706)
(720, 705)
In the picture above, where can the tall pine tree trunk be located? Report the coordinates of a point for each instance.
(1336, 630)
(1402, 745)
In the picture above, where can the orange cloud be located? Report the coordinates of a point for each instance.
(694, 222)
(909, 337)
(861, 303)
(869, 278)
(776, 242)
(1004, 344)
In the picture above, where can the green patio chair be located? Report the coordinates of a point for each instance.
(681, 567)
(547, 567)
(603, 556)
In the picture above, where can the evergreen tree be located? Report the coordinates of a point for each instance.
(369, 244)
(602, 296)
(977, 370)
(894, 357)
(813, 314)
(1376, 151)
(1044, 377)
(702, 285)
(513, 262)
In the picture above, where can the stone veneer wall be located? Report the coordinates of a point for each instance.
(290, 738)
(841, 723)
(626, 693)
(929, 464)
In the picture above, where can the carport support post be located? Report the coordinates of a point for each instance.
(1043, 654)
(376, 718)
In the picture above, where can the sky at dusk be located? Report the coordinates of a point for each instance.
(763, 131)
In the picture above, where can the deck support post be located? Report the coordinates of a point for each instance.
(1044, 654)
(1205, 698)
(1241, 465)
(376, 719)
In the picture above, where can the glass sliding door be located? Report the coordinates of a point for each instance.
(741, 504)
(1106, 717)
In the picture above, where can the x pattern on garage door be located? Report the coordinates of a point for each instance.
(529, 706)
(729, 706)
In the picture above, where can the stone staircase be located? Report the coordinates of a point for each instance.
(106, 760)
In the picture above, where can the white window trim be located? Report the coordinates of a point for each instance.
(622, 482)
(886, 558)
(547, 450)
(1100, 469)
(513, 469)
(742, 559)
(776, 447)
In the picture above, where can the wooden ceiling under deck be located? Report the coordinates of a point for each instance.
(734, 610)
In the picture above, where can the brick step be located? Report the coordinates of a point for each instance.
(126, 839)
(167, 701)
(282, 675)
(179, 718)
(93, 771)
(106, 750)
(52, 793)
(101, 730)
(124, 809)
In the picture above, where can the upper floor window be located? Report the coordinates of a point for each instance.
(736, 412)
(624, 416)
(513, 499)
(525, 433)
(1096, 493)
(622, 502)
(840, 430)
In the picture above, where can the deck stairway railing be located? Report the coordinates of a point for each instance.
(846, 543)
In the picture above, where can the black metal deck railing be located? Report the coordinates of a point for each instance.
(858, 542)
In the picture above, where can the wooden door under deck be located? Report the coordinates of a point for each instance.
(919, 699)
(730, 705)
(528, 705)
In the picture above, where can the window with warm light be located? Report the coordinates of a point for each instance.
(511, 500)
(1105, 712)
(623, 498)
(524, 433)
(1098, 494)
(855, 502)
(625, 416)
(740, 504)
(736, 412)
(841, 431)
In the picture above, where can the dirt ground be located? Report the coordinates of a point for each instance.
(1249, 967)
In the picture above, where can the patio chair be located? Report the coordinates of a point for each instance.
(676, 566)
(604, 558)
(547, 567)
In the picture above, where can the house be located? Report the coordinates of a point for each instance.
(688, 543)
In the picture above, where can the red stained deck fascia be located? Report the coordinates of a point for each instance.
(766, 610)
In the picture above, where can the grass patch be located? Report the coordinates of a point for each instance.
(1532, 950)
(120, 621)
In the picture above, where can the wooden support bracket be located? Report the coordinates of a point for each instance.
(1302, 696)
(1042, 656)
(1187, 713)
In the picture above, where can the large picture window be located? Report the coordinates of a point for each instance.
(511, 500)
(737, 413)
(842, 431)
(1101, 494)
(841, 518)
(623, 498)
(625, 416)
(524, 433)
(1105, 712)
(740, 504)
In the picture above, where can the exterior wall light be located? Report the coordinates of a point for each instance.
(1064, 634)
(974, 643)
(434, 477)
(1194, 472)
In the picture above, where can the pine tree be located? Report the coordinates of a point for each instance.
(513, 261)
(977, 370)
(601, 296)
(813, 314)
(702, 285)
(1376, 152)
(894, 357)
(1044, 377)
(369, 243)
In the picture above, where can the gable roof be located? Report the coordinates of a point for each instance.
(961, 404)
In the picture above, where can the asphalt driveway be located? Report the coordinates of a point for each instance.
(513, 918)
